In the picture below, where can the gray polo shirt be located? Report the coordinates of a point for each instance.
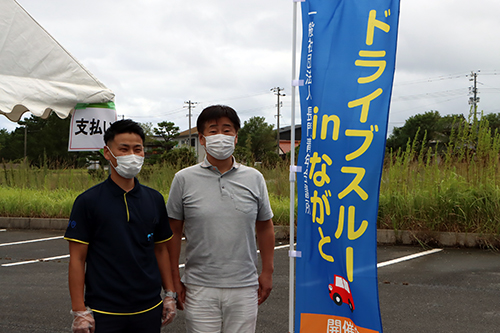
(219, 213)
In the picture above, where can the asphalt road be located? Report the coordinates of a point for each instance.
(454, 290)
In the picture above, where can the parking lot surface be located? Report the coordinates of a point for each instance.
(450, 290)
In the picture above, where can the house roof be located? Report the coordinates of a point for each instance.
(194, 131)
(288, 128)
(285, 145)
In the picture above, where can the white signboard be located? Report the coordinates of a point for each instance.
(88, 126)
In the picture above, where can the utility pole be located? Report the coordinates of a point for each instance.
(190, 105)
(473, 90)
(25, 140)
(277, 92)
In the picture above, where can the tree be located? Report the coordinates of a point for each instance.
(4, 136)
(13, 146)
(47, 142)
(493, 121)
(447, 124)
(148, 132)
(48, 138)
(423, 124)
(435, 128)
(167, 130)
(256, 140)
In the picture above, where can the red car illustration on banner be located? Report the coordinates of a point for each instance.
(340, 292)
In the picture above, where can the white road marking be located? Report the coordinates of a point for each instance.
(382, 264)
(35, 260)
(258, 251)
(43, 259)
(390, 262)
(412, 256)
(286, 246)
(31, 241)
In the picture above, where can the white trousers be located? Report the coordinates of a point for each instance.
(215, 310)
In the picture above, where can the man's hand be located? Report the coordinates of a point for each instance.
(169, 311)
(265, 287)
(83, 321)
(181, 294)
(265, 239)
(174, 251)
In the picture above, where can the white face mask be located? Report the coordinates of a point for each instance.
(219, 146)
(128, 166)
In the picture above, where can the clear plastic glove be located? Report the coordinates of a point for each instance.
(83, 321)
(169, 311)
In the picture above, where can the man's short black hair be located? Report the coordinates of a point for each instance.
(123, 126)
(215, 112)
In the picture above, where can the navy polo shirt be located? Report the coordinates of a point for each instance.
(121, 229)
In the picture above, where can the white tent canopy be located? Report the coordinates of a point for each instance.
(36, 73)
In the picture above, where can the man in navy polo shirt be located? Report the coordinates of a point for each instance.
(118, 233)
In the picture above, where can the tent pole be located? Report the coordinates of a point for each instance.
(291, 310)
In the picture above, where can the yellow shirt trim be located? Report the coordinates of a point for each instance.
(76, 240)
(126, 206)
(127, 314)
(165, 240)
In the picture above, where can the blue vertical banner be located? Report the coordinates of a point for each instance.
(347, 64)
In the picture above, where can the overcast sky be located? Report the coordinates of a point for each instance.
(156, 55)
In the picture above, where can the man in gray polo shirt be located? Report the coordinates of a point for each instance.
(221, 206)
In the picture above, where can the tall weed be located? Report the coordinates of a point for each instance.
(431, 188)
(453, 190)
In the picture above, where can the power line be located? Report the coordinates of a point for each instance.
(233, 98)
(168, 113)
(432, 79)
(437, 94)
(490, 72)
(447, 77)
(161, 114)
(426, 105)
(256, 109)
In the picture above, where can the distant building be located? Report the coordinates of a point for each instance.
(285, 143)
(183, 141)
(286, 136)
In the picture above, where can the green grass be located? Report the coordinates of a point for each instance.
(36, 203)
(41, 192)
(450, 189)
(455, 189)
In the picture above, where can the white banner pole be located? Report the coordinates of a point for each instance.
(293, 170)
